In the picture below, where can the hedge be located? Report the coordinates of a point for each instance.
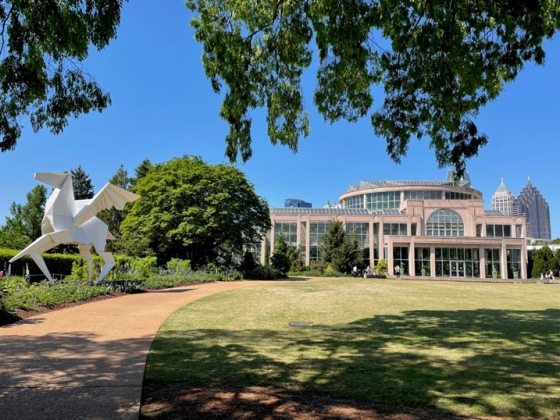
(56, 263)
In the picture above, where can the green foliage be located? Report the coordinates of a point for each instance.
(439, 63)
(80, 269)
(296, 258)
(24, 224)
(339, 250)
(113, 217)
(191, 210)
(58, 264)
(280, 260)
(141, 171)
(249, 263)
(83, 187)
(263, 272)
(544, 260)
(23, 296)
(177, 265)
(381, 266)
(43, 47)
(332, 241)
(347, 256)
(142, 267)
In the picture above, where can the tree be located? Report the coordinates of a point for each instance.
(543, 261)
(438, 62)
(141, 171)
(83, 187)
(113, 217)
(204, 213)
(339, 249)
(347, 256)
(121, 178)
(42, 46)
(24, 225)
(280, 260)
(332, 241)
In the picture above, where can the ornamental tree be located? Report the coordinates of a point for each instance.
(192, 210)
(438, 63)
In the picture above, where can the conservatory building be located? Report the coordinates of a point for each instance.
(428, 228)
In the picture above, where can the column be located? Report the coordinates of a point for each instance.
(307, 241)
(523, 273)
(298, 232)
(390, 267)
(272, 240)
(411, 265)
(263, 250)
(482, 258)
(432, 261)
(371, 244)
(503, 261)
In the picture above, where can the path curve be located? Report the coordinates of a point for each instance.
(88, 361)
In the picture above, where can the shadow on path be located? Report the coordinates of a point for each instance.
(39, 376)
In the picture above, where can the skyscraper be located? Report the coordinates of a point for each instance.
(503, 199)
(532, 204)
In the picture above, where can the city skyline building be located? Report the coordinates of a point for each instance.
(503, 199)
(296, 202)
(533, 205)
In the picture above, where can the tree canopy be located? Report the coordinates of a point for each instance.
(24, 224)
(339, 248)
(191, 210)
(42, 46)
(438, 62)
(81, 181)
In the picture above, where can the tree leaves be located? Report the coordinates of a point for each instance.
(439, 63)
(189, 209)
(42, 45)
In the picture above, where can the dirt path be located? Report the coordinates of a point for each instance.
(87, 361)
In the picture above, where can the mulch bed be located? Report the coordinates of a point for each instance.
(181, 401)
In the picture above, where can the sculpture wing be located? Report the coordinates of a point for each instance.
(109, 196)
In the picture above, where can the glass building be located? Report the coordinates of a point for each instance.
(427, 228)
(532, 204)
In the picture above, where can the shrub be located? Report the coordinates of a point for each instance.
(263, 272)
(58, 264)
(142, 267)
(381, 266)
(177, 265)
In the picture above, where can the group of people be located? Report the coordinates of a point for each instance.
(547, 276)
(365, 272)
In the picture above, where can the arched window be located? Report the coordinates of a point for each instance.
(445, 222)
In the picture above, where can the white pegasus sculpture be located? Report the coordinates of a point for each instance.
(71, 221)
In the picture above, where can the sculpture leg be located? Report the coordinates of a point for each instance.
(109, 263)
(40, 245)
(85, 252)
(42, 266)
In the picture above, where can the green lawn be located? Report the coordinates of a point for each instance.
(464, 348)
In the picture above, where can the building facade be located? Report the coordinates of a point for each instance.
(503, 199)
(428, 228)
(532, 204)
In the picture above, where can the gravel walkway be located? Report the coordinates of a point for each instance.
(87, 361)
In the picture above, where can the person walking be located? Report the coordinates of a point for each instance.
(398, 271)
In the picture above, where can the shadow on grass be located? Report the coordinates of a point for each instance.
(468, 362)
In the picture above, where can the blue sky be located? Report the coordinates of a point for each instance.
(163, 107)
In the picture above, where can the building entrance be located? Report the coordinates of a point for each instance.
(457, 269)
